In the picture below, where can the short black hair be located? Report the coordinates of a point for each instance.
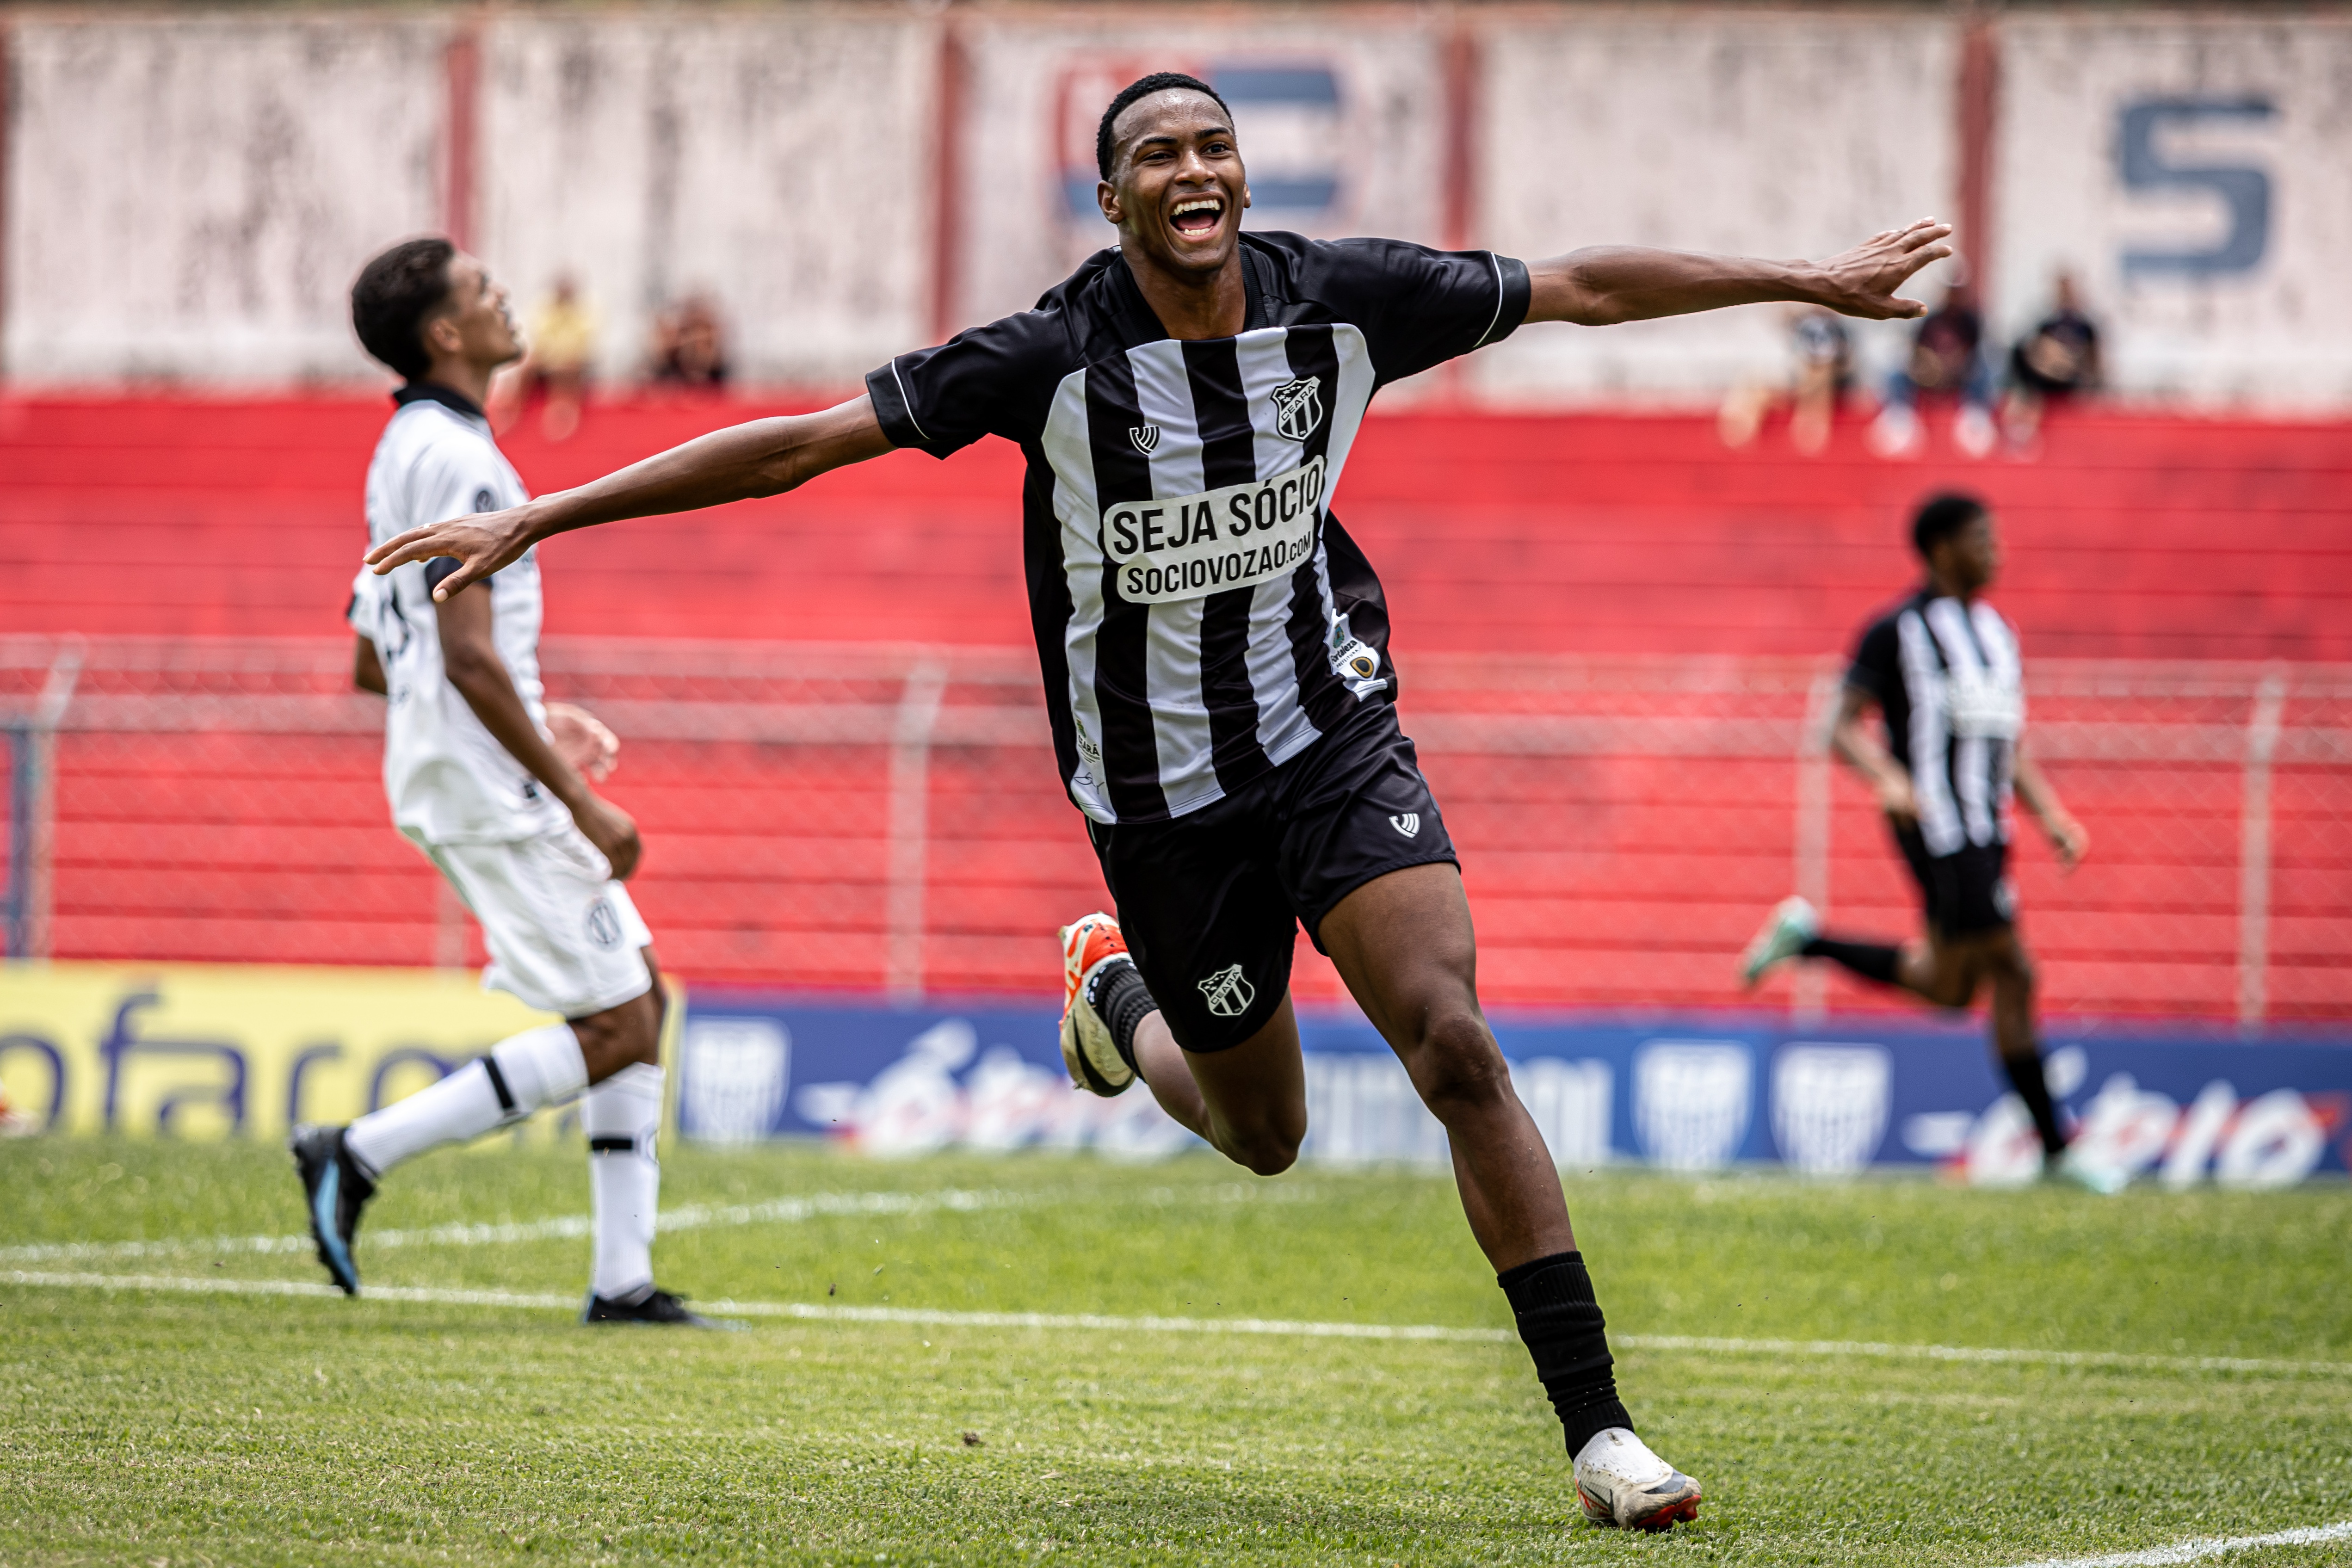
(1942, 516)
(1144, 86)
(395, 294)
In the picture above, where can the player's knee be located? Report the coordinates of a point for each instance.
(1455, 1064)
(618, 1036)
(1263, 1154)
(1265, 1148)
(1952, 990)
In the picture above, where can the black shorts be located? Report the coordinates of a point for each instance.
(1209, 902)
(1967, 892)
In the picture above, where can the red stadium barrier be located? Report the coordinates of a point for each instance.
(2131, 536)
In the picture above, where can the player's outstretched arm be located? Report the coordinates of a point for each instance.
(1611, 283)
(760, 457)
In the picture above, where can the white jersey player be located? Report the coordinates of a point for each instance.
(487, 780)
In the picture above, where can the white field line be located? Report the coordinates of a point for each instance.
(694, 1217)
(1864, 1348)
(2201, 1547)
(1099, 1322)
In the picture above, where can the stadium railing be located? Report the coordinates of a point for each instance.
(886, 820)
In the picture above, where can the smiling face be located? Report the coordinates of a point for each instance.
(1177, 189)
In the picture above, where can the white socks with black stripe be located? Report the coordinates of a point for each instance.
(621, 1116)
(538, 1068)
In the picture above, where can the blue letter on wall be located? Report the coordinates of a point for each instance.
(2245, 192)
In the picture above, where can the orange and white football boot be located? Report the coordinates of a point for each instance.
(1092, 950)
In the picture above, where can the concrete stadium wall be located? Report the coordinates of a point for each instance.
(2196, 174)
(773, 160)
(187, 197)
(1758, 135)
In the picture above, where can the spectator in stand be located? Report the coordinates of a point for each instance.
(690, 348)
(1947, 360)
(1822, 374)
(563, 345)
(2057, 360)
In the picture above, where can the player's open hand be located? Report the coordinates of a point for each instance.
(610, 829)
(1862, 282)
(482, 543)
(1896, 800)
(2069, 840)
(581, 739)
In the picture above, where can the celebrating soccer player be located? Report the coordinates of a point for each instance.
(1216, 659)
(485, 779)
(1942, 668)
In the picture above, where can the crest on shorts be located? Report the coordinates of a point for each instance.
(1299, 408)
(1145, 437)
(604, 925)
(1229, 994)
(1409, 824)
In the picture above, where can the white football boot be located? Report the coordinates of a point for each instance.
(1623, 1486)
(1090, 948)
(1793, 923)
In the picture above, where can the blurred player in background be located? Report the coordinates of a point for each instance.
(1214, 653)
(1941, 669)
(487, 781)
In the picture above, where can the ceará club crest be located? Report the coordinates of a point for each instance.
(1299, 408)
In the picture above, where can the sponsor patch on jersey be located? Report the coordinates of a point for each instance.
(604, 924)
(1145, 437)
(1236, 537)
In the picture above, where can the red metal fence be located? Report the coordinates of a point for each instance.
(884, 818)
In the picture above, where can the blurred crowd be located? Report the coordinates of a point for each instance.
(1994, 398)
(684, 351)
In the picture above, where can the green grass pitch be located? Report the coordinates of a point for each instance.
(168, 1426)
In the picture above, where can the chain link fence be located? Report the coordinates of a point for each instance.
(886, 819)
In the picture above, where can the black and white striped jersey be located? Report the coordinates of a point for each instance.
(1946, 676)
(1201, 617)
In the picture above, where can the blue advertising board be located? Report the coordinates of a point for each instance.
(1694, 1093)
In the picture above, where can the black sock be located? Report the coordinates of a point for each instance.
(1871, 960)
(1561, 1322)
(1122, 1001)
(2025, 1076)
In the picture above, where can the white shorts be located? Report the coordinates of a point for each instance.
(562, 934)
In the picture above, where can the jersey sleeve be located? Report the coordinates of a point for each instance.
(365, 610)
(1420, 307)
(1876, 667)
(996, 380)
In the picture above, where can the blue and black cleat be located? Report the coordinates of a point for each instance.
(336, 1190)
